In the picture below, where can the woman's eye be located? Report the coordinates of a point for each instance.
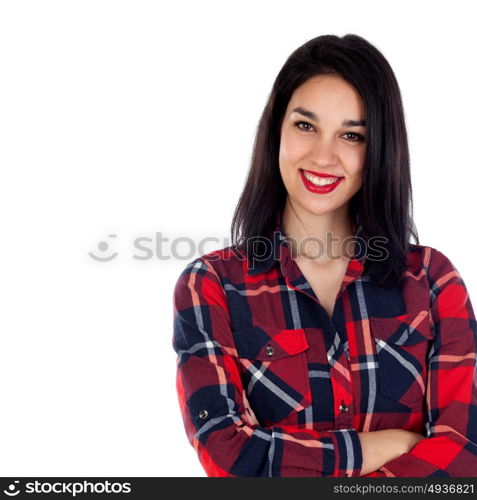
(355, 137)
(306, 124)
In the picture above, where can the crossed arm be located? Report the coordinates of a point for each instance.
(213, 406)
(380, 447)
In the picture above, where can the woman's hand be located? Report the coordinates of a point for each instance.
(380, 447)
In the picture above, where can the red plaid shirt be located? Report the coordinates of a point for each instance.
(269, 385)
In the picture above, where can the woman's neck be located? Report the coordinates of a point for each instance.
(323, 238)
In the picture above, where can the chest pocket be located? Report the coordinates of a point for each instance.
(275, 371)
(402, 345)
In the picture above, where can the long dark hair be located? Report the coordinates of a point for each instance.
(383, 205)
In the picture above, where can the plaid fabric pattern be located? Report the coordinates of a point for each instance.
(269, 385)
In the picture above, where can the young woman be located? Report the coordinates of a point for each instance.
(323, 342)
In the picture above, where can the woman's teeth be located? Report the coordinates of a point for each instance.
(318, 181)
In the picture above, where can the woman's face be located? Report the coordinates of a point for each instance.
(323, 133)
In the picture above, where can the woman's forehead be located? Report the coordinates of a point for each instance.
(327, 96)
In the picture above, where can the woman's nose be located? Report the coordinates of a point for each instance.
(323, 151)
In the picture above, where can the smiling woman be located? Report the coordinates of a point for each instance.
(305, 349)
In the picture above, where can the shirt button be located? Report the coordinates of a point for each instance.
(269, 350)
(203, 413)
(343, 407)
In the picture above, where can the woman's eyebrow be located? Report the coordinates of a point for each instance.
(346, 123)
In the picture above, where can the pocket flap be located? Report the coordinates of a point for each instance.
(406, 329)
(268, 344)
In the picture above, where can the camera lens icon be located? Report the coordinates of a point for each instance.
(12, 490)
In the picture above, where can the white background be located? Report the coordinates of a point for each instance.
(138, 117)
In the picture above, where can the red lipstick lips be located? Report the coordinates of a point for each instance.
(320, 189)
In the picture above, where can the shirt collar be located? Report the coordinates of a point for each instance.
(274, 249)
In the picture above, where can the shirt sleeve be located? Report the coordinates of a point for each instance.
(450, 446)
(218, 420)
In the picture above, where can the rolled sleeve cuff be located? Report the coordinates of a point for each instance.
(350, 454)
